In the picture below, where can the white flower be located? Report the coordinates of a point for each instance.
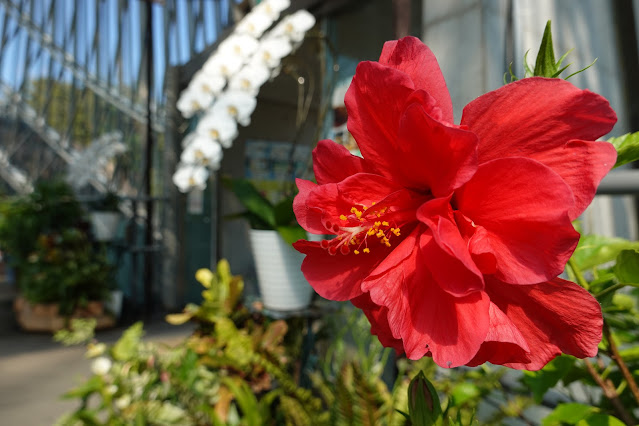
(272, 8)
(272, 50)
(188, 177)
(241, 45)
(192, 101)
(294, 26)
(122, 402)
(223, 64)
(207, 82)
(203, 151)
(101, 366)
(111, 389)
(254, 23)
(250, 78)
(219, 126)
(239, 105)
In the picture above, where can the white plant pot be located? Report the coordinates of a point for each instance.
(105, 225)
(278, 265)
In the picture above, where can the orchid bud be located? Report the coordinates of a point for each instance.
(423, 402)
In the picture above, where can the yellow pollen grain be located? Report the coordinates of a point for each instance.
(377, 224)
(373, 203)
(387, 244)
(367, 250)
(353, 242)
(384, 223)
(380, 234)
(396, 232)
(343, 217)
(371, 231)
(356, 251)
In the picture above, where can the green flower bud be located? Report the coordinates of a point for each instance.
(423, 403)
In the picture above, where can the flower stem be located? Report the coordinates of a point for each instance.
(610, 392)
(580, 278)
(614, 287)
(616, 357)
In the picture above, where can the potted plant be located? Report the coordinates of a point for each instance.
(273, 231)
(59, 273)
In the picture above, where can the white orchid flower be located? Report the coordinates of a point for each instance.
(250, 78)
(272, 50)
(203, 151)
(207, 82)
(223, 64)
(239, 105)
(241, 45)
(272, 8)
(192, 101)
(254, 23)
(294, 26)
(188, 177)
(219, 126)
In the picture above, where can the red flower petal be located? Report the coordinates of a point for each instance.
(529, 116)
(554, 317)
(432, 154)
(335, 277)
(309, 218)
(448, 258)
(377, 316)
(582, 165)
(333, 163)
(427, 318)
(375, 101)
(504, 343)
(412, 56)
(523, 207)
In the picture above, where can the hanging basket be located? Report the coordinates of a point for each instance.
(280, 279)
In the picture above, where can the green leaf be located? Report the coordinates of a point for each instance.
(600, 419)
(283, 211)
(594, 250)
(252, 200)
(627, 266)
(94, 384)
(630, 355)
(540, 381)
(126, 347)
(627, 147)
(545, 64)
(568, 414)
(464, 392)
(290, 234)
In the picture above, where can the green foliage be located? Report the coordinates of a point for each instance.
(262, 214)
(81, 330)
(627, 147)
(580, 415)
(539, 382)
(545, 65)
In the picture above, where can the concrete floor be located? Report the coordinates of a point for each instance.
(35, 371)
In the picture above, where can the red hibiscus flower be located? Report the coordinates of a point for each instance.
(450, 237)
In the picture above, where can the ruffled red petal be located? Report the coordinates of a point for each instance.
(535, 114)
(582, 165)
(523, 207)
(333, 163)
(554, 317)
(411, 56)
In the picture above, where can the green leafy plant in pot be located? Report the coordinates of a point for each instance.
(273, 231)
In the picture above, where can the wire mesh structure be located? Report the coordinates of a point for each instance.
(74, 70)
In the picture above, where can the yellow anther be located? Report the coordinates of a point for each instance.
(371, 231)
(387, 244)
(364, 208)
(356, 251)
(353, 242)
(380, 234)
(373, 203)
(396, 231)
(343, 217)
(385, 223)
(353, 210)
(366, 250)
(376, 224)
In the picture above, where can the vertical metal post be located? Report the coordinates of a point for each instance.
(148, 167)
